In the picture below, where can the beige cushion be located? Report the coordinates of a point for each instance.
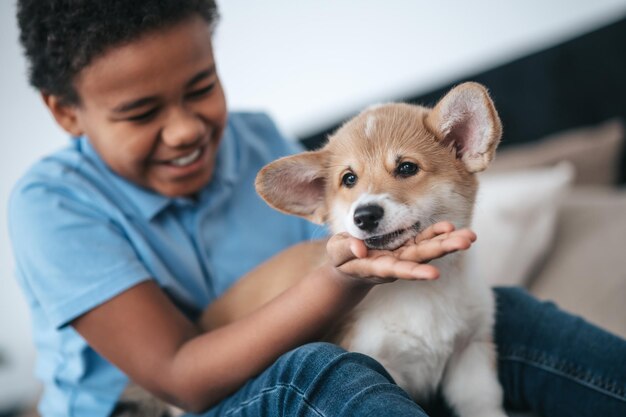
(594, 151)
(585, 273)
(514, 219)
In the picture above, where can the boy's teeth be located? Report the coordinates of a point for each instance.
(186, 160)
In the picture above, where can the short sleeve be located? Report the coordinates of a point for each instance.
(70, 256)
(280, 145)
(264, 140)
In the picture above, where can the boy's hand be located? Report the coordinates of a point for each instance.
(354, 260)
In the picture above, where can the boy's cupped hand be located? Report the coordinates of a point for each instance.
(353, 259)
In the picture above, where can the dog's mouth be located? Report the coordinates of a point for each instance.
(393, 240)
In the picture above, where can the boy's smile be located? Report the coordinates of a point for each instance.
(154, 108)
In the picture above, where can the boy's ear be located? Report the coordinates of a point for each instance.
(467, 119)
(64, 114)
(296, 185)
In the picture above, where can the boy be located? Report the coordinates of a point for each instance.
(150, 214)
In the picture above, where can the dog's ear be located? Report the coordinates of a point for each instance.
(467, 119)
(296, 185)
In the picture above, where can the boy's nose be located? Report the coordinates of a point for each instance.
(183, 128)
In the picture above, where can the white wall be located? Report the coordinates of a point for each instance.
(307, 63)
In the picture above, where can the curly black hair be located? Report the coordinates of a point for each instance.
(61, 37)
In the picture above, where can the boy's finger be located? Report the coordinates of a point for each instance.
(435, 248)
(387, 267)
(463, 233)
(411, 270)
(342, 247)
(434, 230)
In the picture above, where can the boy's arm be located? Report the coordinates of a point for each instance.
(264, 283)
(148, 338)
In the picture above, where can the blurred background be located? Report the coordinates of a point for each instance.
(555, 68)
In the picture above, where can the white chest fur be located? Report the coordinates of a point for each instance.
(414, 328)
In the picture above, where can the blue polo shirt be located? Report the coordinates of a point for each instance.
(82, 234)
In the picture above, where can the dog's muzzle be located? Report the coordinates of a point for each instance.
(393, 240)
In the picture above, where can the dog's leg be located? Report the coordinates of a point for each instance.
(470, 384)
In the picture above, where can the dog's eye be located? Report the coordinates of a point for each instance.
(407, 169)
(348, 179)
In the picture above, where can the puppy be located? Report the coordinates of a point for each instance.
(383, 177)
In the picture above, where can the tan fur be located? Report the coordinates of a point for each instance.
(401, 135)
(342, 333)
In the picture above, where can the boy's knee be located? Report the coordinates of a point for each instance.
(312, 354)
(332, 381)
(323, 360)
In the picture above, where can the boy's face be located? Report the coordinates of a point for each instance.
(154, 109)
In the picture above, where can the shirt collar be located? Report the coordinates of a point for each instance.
(149, 203)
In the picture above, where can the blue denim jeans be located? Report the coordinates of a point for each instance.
(550, 362)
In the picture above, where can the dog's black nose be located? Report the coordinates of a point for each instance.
(367, 217)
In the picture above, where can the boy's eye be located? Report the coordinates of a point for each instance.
(200, 92)
(349, 179)
(143, 117)
(407, 169)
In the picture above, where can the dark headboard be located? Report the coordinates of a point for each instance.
(579, 82)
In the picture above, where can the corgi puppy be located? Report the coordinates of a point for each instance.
(383, 177)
